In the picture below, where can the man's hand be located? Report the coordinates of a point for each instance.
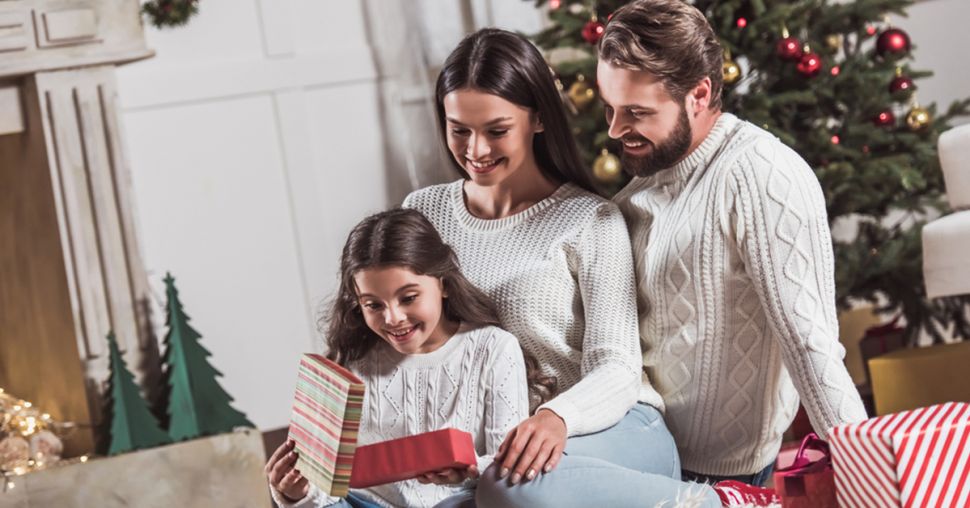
(534, 445)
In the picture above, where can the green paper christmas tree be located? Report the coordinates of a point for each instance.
(131, 425)
(197, 404)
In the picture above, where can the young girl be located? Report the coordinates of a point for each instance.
(426, 344)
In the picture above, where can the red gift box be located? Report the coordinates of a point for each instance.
(808, 482)
(409, 457)
(912, 458)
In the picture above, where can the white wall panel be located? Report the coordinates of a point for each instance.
(214, 209)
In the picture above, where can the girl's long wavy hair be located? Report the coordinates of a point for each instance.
(507, 65)
(405, 238)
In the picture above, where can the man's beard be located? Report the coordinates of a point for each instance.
(662, 156)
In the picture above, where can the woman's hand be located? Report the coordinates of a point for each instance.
(534, 445)
(283, 477)
(449, 476)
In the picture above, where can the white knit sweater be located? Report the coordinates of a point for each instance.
(737, 298)
(474, 382)
(561, 274)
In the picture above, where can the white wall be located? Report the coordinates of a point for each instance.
(255, 139)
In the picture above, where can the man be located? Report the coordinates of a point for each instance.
(732, 247)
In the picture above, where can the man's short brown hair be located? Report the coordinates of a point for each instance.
(669, 39)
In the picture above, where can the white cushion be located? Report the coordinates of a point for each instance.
(946, 255)
(954, 147)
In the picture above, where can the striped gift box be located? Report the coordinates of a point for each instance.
(325, 421)
(912, 459)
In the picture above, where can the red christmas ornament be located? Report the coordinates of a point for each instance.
(789, 48)
(901, 84)
(870, 30)
(810, 65)
(892, 41)
(593, 31)
(742, 22)
(885, 119)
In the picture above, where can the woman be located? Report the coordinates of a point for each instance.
(556, 260)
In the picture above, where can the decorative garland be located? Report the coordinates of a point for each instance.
(170, 13)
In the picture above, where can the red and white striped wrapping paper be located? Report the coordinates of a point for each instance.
(911, 459)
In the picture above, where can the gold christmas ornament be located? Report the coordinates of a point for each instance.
(918, 118)
(731, 72)
(580, 93)
(833, 43)
(606, 167)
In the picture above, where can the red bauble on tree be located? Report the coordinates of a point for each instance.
(810, 65)
(892, 42)
(885, 119)
(592, 31)
(902, 85)
(789, 48)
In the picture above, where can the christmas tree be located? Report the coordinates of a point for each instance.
(130, 424)
(197, 404)
(834, 82)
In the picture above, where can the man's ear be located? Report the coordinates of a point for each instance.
(700, 97)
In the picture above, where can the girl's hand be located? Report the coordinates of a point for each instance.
(283, 477)
(449, 476)
(534, 445)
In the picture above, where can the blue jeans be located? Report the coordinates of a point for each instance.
(464, 499)
(759, 478)
(633, 463)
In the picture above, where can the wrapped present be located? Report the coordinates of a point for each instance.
(326, 417)
(809, 481)
(880, 340)
(919, 377)
(409, 457)
(914, 458)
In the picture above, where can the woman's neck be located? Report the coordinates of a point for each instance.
(522, 189)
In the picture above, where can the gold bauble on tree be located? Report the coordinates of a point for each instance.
(606, 167)
(833, 43)
(730, 71)
(918, 118)
(580, 93)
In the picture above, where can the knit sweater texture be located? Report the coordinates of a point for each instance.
(736, 295)
(475, 382)
(561, 274)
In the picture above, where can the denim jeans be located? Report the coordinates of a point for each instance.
(759, 478)
(633, 463)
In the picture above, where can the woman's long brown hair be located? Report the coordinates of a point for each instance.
(405, 238)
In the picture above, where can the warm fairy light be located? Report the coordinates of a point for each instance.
(555, 4)
(27, 404)
(835, 70)
(871, 30)
(835, 140)
(742, 22)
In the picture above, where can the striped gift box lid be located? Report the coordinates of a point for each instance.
(325, 421)
(911, 459)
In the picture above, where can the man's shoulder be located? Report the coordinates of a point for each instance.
(760, 149)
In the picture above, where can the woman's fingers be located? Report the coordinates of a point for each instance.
(531, 452)
(505, 444)
(538, 464)
(523, 434)
(554, 458)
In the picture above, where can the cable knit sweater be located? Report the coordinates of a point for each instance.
(474, 382)
(737, 298)
(561, 274)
